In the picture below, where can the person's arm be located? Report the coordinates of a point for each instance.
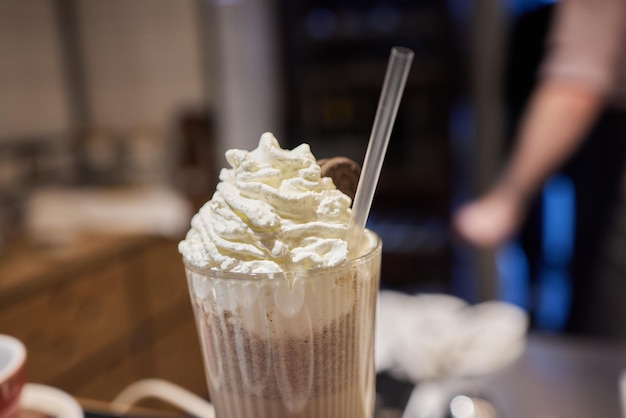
(558, 117)
(553, 127)
(577, 74)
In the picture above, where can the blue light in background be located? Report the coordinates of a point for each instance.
(553, 292)
(553, 298)
(519, 7)
(558, 227)
(558, 221)
(513, 274)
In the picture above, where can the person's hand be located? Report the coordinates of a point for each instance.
(492, 219)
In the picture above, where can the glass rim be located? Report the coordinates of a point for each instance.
(221, 274)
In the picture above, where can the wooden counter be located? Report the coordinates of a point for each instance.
(100, 314)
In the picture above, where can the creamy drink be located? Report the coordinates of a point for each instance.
(285, 317)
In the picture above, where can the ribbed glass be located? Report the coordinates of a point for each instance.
(294, 345)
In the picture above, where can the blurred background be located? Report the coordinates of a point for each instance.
(128, 106)
(150, 93)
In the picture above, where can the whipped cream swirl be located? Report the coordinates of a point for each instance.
(272, 211)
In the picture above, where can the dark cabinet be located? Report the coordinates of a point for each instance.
(334, 58)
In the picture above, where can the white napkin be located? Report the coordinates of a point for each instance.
(441, 342)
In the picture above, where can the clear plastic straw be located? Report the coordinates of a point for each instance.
(393, 87)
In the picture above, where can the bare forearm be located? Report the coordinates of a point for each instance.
(553, 128)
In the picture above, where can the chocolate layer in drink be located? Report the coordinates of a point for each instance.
(312, 370)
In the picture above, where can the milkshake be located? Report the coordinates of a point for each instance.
(285, 317)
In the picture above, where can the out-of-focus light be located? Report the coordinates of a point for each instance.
(520, 7)
(554, 298)
(558, 220)
(462, 407)
(558, 228)
(384, 18)
(460, 10)
(513, 275)
(321, 23)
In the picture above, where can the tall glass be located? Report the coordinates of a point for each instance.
(289, 345)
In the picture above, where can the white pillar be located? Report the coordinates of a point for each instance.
(245, 63)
